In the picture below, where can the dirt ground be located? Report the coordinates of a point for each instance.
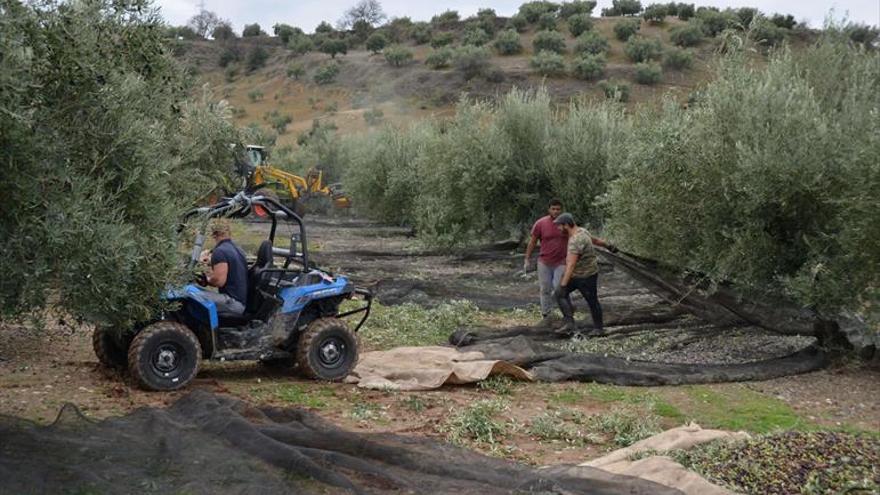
(41, 369)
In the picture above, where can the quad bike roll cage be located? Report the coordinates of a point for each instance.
(241, 205)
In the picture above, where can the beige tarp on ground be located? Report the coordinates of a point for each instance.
(427, 368)
(662, 469)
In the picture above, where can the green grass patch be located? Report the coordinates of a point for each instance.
(625, 425)
(739, 408)
(499, 384)
(413, 325)
(611, 394)
(477, 423)
(315, 398)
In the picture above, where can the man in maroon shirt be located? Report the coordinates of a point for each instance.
(551, 258)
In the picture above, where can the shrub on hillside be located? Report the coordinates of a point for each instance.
(588, 67)
(766, 33)
(579, 24)
(230, 73)
(784, 21)
(255, 95)
(615, 90)
(324, 28)
(376, 42)
(622, 7)
(550, 41)
(296, 70)
(745, 15)
(223, 32)
(420, 33)
(625, 29)
(334, 46)
(577, 7)
(439, 58)
(678, 59)
(655, 13)
(228, 56)
(256, 58)
(326, 73)
(547, 22)
(278, 121)
(548, 63)
(685, 11)
(300, 45)
(648, 73)
(487, 20)
(642, 49)
(442, 38)
(507, 42)
(399, 29)
(374, 117)
(519, 23)
(398, 56)
(286, 32)
(475, 37)
(445, 20)
(714, 21)
(472, 61)
(591, 42)
(532, 11)
(862, 34)
(688, 35)
(251, 30)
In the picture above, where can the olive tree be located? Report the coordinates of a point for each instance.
(101, 148)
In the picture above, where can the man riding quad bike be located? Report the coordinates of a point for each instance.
(292, 313)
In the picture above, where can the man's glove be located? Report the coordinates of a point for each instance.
(528, 266)
(202, 279)
(611, 247)
(559, 291)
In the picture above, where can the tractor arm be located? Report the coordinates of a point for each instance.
(293, 184)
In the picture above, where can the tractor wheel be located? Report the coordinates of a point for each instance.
(269, 193)
(327, 350)
(110, 353)
(164, 356)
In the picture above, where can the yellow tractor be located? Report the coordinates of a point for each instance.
(290, 189)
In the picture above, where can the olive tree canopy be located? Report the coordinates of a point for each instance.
(101, 147)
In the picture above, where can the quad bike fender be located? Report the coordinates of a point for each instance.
(297, 298)
(195, 304)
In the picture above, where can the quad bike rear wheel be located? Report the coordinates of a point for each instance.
(108, 349)
(164, 356)
(327, 350)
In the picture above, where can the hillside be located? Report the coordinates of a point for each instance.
(366, 81)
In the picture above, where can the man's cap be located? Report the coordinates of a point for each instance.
(564, 219)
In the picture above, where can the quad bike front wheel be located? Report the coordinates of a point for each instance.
(327, 350)
(108, 349)
(164, 356)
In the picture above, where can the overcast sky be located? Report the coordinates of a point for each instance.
(308, 13)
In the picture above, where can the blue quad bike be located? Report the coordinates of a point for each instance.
(292, 315)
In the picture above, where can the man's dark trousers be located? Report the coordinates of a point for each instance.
(587, 287)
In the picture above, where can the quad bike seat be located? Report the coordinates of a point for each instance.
(257, 279)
